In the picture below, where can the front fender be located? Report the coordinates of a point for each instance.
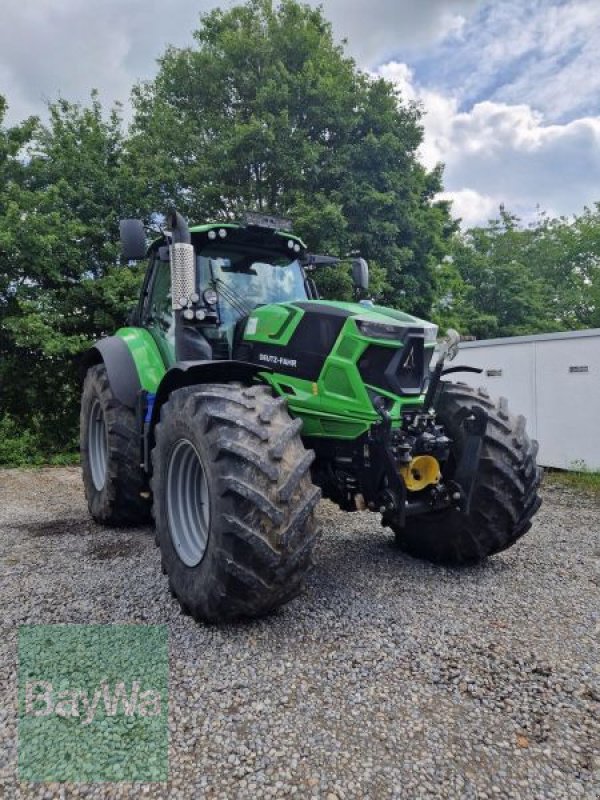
(192, 373)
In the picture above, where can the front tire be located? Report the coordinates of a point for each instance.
(110, 455)
(234, 502)
(505, 496)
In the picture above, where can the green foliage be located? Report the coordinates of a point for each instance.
(566, 255)
(31, 446)
(507, 280)
(59, 285)
(580, 480)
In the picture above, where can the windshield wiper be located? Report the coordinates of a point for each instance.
(228, 292)
(232, 297)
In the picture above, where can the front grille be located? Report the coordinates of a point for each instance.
(398, 370)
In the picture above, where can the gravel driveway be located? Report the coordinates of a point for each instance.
(388, 678)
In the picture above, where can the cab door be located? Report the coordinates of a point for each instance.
(159, 318)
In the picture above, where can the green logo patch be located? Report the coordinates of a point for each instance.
(93, 703)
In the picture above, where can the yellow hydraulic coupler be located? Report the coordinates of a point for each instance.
(421, 472)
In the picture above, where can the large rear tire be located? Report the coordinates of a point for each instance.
(110, 455)
(505, 495)
(233, 501)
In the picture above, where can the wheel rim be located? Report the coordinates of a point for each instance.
(188, 510)
(97, 445)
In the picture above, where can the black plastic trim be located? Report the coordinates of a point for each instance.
(319, 308)
(133, 240)
(387, 375)
(308, 348)
(120, 368)
(452, 370)
(192, 373)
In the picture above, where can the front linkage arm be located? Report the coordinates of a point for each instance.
(395, 493)
(475, 422)
(459, 490)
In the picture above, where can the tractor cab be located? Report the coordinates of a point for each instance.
(204, 281)
(239, 269)
(194, 306)
(237, 279)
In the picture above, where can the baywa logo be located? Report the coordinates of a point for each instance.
(41, 700)
(93, 703)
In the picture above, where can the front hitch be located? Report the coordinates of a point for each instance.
(456, 492)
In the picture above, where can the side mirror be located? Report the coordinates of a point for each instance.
(360, 273)
(133, 240)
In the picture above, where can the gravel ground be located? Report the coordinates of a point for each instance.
(388, 678)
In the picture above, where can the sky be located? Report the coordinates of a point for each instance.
(510, 89)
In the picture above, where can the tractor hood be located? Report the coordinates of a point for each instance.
(370, 312)
(324, 342)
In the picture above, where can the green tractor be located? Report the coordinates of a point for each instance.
(235, 398)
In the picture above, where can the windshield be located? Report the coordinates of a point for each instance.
(244, 280)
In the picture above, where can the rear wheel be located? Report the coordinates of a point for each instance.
(234, 502)
(505, 496)
(110, 455)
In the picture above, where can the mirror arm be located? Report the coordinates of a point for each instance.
(313, 260)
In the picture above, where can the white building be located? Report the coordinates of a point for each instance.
(554, 380)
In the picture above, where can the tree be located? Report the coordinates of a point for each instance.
(492, 288)
(58, 251)
(266, 112)
(504, 279)
(566, 256)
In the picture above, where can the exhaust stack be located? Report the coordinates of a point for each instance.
(183, 263)
(184, 292)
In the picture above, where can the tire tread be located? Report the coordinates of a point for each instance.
(505, 496)
(264, 497)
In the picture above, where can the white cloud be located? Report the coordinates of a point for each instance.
(377, 29)
(68, 47)
(543, 53)
(500, 153)
(473, 208)
(564, 76)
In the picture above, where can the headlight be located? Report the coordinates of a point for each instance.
(431, 332)
(378, 330)
(210, 297)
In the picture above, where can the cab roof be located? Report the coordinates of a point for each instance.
(208, 226)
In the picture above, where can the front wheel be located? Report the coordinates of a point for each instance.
(505, 495)
(233, 501)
